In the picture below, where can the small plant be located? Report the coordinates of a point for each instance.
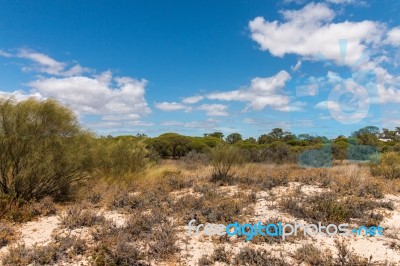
(225, 161)
(7, 234)
(76, 216)
(45, 206)
(310, 254)
(221, 255)
(62, 249)
(205, 261)
(249, 256)
(346, 257)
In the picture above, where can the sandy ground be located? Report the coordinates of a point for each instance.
(40, 232)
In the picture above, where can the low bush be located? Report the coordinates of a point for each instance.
(62, 249)
(388, 167)
(7, 234)
(249, 256)
(225, 161)
(313, 256)
(77, 216)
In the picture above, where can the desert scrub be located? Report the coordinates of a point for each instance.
(176, 181)
(250, 256)
(263, 183)
(214, 207)
(115, 246)
(62, 249)
(7, 234)
(388, 165)
(77, 216)
(156, 233)
(194, 160)
(45, 207)
(311, 255)
(346, 257)
(225, 161)
(330, 207)
(146, 236)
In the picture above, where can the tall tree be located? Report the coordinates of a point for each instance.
(233, 138)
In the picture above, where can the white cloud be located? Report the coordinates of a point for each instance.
(45, 63)
(340, 1)
(172, 123)
(261, 93)
(297, 66)
(393, 37)
(310, 32)
(5, 54)
(172, 106)
(115, 99)
(42, 63)
(215, 109)
(20, 95)
(193, 99)
(96, 95)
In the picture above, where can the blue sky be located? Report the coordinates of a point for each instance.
(126, 67)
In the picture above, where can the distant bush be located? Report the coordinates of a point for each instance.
(121, 156)
(388, 167)
(317, 158)
(194, 159)
(225, 161)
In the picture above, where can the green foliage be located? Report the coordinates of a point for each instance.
(119, 156)
(170, 144)
(277, 134)
(233, 138)
(367, 135)
(218, 135)
(42, 149)
(388, 167)
(225, 160)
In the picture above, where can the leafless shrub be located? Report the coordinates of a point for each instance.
(249, 256)
(7, 234)
(346, 257)
(62, 249)
(77, 216)
(310, 254)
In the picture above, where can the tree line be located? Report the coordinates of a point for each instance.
(44, 150)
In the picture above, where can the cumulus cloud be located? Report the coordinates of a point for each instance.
(193, 99)
(261, 93)
(310, 32)
(172, 106)
(117, 100)
(104, 94)
(393, 37)
(214, 109)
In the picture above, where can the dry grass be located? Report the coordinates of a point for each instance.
(163, 198)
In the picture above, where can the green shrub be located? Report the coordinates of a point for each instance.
(388, 167)
(225, 161)
(43, 149)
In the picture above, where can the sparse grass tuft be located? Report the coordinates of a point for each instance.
(313, 256)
